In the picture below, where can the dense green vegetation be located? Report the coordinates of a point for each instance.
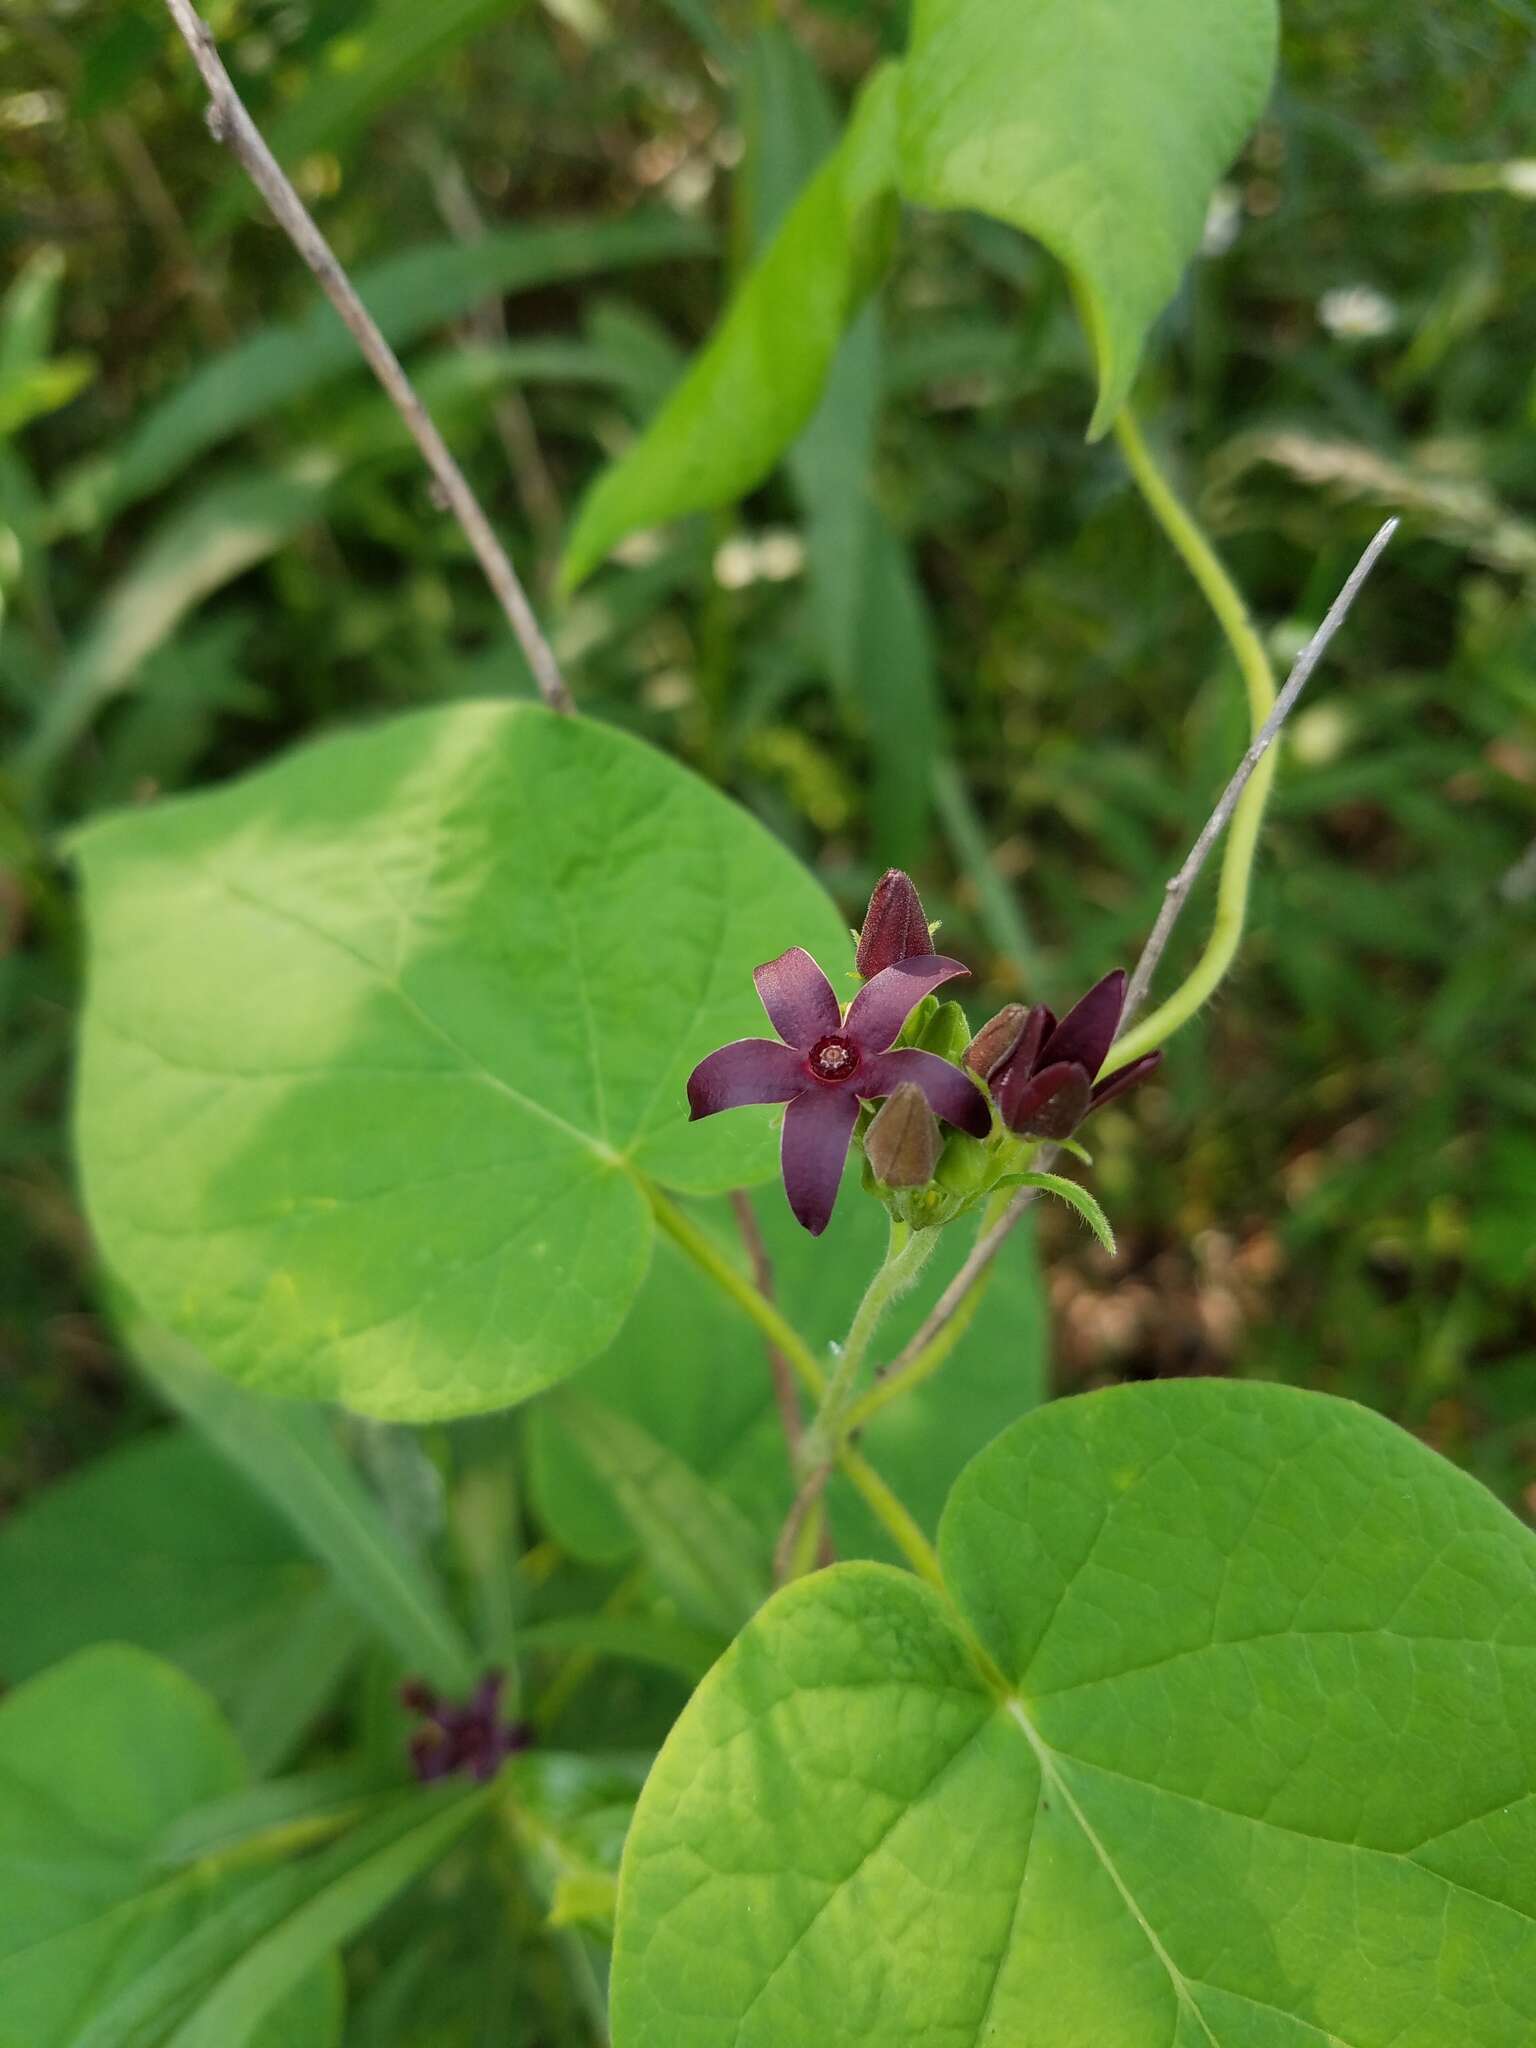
(1244, 1663)
(217, 540)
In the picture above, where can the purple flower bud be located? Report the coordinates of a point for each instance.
(903, 1143)
(894, 925)
(1043, 1083)
(999, 1038)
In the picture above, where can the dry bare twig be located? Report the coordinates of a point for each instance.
(230, 124)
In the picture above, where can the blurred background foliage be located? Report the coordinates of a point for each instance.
(946, 634)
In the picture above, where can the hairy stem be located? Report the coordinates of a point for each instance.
(907, 1252)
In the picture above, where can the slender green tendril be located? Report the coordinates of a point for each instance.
(1225, 600)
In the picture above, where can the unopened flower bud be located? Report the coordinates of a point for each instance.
(996, 1039)
(903, 1143)
(894, 925)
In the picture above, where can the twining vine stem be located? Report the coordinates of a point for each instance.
(953, 1299)
(230, 124)
(1179, 885)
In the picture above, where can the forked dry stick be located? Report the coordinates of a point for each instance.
(987, 1248)
(230, 124)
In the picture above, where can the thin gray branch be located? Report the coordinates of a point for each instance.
(230, 124)
(987, 1248)
(1179, 885)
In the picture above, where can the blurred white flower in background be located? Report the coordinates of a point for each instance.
(770, 557)
(1223, 217)
(1357, 312)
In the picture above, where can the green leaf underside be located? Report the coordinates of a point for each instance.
(758, 379)
(378, 1051)
(687, 1370)
(98, 1758)
(1260, 1771)
(1097, 126)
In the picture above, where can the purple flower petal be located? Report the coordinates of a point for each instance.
(951, 1094)
(1086, 1033)
(817, 1128)
(883, 1005)
(1127, 1077)
(801, 1003)
(747, 1070)
(1050, 1104)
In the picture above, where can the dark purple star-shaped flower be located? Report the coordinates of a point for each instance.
(1041, 1073)
(828, 1064)
(473, 1738)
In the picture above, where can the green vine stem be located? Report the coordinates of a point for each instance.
(897, 1382)
(710, 1260)
(907, 1252)
(1225, 600)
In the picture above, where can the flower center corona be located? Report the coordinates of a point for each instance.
(833, 1059)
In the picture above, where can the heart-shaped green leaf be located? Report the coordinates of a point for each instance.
(1098, 126)
(1224, 1738)
(758, 380)
(382, 1046)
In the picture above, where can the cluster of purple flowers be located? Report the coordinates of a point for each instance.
(471, 1740)
(1041, 1075)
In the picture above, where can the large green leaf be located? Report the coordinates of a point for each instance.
(98, 1757)
(1227, 1740)
(383, 1045)
(152, 1545)
(691, 1372)
(1098, 126)
(757, 382)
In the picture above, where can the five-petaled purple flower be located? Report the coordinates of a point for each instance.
(829, 1064)
(473, 1738)
(1041, 1073)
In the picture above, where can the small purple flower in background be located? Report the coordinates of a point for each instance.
(472, 1739)
(1041, 1073)
(828, 1064)
(894, 926)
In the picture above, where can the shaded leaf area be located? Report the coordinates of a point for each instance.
(98, 1759)
(759, 378)
(1098, 128)
(1224, 1735)
(153, 1546)
(378, 1055)
(686, 1371)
